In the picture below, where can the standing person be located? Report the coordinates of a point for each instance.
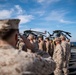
(47, 45)
(51, 47)
(69, 48)
(58, 57)
(15, 62)
(64, 45)
(33, 41)
(42, 45)
(31, 37)
(36, 42)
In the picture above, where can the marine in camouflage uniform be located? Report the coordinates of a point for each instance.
(15, 62)
(58, 57)
(65, 47)
(32, 41)
(51, 48)
(47, 45)
(42, 45)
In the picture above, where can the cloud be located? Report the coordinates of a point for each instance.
(40, 1)
(16, 12)
(67, 22)
(18, 9)
(25, 18)
(5, 13)
(47, 1)
(38, 13)
(42, 29)
(55, 15)
(58, 16)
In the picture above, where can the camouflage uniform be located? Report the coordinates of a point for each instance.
(51, 49)
(47, 46)
(58, 58)
(18, 62)
(15, 62)
(66, 55)
(42, 46)
(21, 45)
(36, 44)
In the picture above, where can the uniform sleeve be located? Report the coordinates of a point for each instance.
(20, 46)
(44, 66)
(60, 58)
(44, 46)
(42, 54)
(64, 50)
(40, 46)
(47, 47)
(37, 64)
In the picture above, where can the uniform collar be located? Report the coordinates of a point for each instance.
(6, 46)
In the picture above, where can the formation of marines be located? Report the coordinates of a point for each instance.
(31, 56)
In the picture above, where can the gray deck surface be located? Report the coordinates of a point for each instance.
(72, 64)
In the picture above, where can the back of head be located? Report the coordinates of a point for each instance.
(8, 27)
(41, 37)
(62, 37)
(47, 38)
(57, 39)
(68, 40)
(30, 37)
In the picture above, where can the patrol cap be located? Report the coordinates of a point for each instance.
(47, 38)
(57, 39)
(40, 36)
(62, 37)
(9, 24)
(31, 36)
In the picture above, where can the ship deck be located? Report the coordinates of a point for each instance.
(72, 63)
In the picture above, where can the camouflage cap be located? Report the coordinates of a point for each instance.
(62, 37)
(30, 36)
(9, 24)
(57, 39)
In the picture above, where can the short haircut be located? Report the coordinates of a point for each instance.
(63, 38)
(57, 39)
(41, 37)
(5, 34)
(47, 38)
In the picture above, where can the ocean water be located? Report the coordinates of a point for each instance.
(73, 43)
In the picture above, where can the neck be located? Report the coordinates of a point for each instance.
(58, 44)
(4, 43)
(63, 40)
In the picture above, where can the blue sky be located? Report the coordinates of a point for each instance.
(42, 15)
